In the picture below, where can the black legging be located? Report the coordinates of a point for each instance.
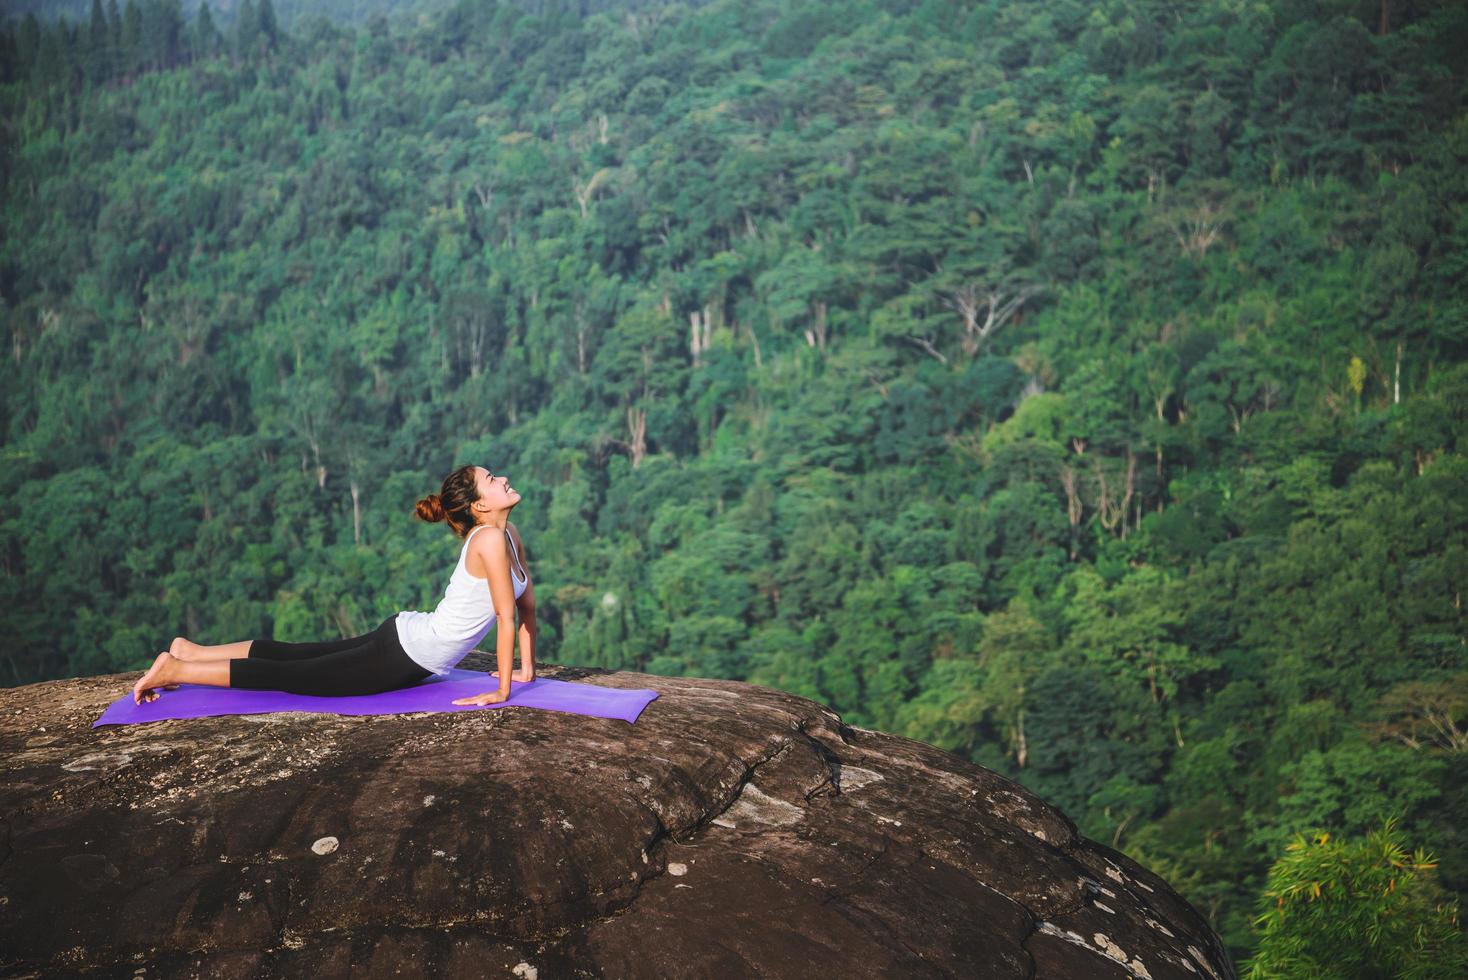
(367, 664)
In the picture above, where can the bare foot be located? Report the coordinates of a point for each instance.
(518, 675)
(183, 649)
(157, 676)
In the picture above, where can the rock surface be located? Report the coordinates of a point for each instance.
(734, 831)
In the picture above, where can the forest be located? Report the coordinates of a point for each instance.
(1078, 387)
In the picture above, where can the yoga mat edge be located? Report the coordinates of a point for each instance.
(434, 694)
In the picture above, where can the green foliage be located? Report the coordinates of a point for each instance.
(1352, 786)
(1357, 907)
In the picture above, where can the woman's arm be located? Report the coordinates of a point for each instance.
(526, 606)
(496, 554)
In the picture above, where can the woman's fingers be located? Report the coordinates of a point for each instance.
(493, 697)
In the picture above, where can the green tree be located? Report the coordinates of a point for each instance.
(206, 42)
(131, 52)
(269, 27)
(98, 66)
(246, 29)
(1357, 907)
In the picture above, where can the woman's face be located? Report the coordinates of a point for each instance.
(495, 490)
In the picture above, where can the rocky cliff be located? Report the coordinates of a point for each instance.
(733, 831)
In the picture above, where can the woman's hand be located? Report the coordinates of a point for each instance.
(493, 697)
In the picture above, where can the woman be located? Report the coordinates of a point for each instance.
(488, 585)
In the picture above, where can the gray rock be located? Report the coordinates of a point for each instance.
(733, 831)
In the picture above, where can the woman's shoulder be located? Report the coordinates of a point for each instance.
(484, 545)
(480, 542)
(494, 543)
(480, 550)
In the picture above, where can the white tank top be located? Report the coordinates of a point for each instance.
(437, 640)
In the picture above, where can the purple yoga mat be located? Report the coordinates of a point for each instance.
(432, 694)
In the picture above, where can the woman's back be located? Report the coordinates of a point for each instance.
(439, 639)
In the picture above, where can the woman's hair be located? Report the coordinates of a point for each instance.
(452, 501)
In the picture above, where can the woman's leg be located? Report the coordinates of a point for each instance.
(280, 650)
(373, 667)
(185, 649)
(375, 664)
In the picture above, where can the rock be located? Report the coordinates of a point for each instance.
(733, 831)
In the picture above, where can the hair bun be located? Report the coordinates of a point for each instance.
(430, 508)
